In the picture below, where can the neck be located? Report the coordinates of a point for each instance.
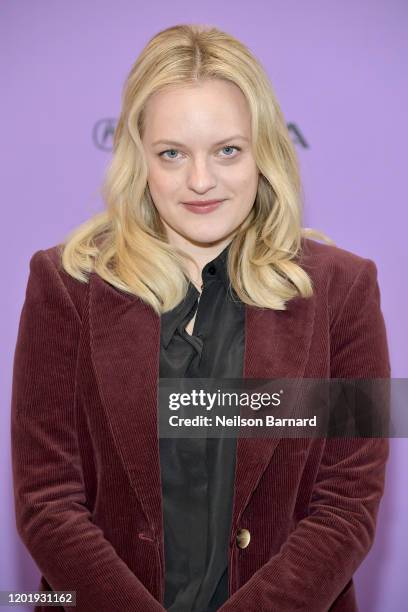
(201, 253)
(201, 259)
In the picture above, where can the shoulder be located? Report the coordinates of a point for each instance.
(345, 283)
(330, 258)
(48, 280)
(335, 268)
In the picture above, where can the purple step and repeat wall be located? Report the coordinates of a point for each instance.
(339, 70)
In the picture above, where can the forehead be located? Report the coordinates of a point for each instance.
(203, 108)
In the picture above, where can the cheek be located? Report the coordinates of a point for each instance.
(245, 186)
(242, 176)
(245, 189)
(163, 183)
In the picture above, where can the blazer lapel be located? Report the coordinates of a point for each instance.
(125, 349)
(277, 346)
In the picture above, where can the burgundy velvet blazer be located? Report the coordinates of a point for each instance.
(85, 447)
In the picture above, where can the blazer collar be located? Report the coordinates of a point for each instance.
(125, 349)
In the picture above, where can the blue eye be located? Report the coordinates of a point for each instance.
(168, 151)
(230, 147)
(164, 153)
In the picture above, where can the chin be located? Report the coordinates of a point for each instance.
(207, 237)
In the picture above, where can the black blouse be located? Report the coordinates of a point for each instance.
(198, 474)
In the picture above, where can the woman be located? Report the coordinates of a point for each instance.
(198, 267)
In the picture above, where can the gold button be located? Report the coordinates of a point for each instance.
(243, 538)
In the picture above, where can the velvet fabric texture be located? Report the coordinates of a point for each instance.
(85, 449)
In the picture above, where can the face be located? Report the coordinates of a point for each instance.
(197, 142)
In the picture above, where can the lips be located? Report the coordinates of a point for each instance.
(202, 208)
(202, 202)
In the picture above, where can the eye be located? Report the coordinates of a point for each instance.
(230, 147)
(162, 154)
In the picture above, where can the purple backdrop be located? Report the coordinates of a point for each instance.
(338, 71)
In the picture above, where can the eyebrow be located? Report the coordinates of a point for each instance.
(180, 144)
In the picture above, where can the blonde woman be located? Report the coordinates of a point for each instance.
(198, 267)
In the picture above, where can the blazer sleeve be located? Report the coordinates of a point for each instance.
(319, 557)
(52, 518)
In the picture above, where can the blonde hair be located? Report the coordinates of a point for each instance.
(126, 244)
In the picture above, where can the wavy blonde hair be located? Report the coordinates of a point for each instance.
(126, 243)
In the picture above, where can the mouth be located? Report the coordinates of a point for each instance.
(202, 208)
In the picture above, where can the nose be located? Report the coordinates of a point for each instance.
(201, 177)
